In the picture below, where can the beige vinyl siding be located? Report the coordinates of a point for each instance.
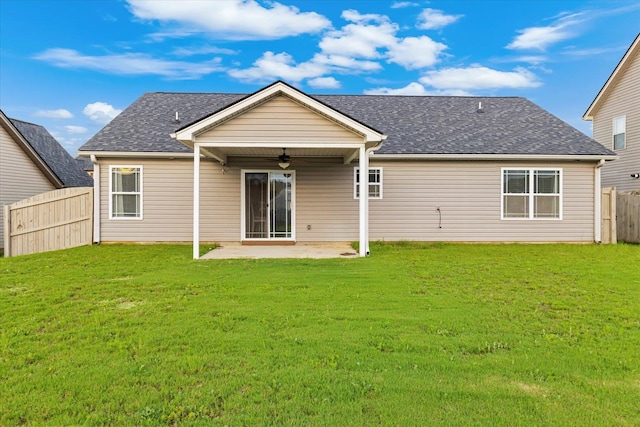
(280, 120)
(167, 194)
(19, 176)
(623, 99)
(468, 195)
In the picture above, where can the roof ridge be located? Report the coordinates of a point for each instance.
(26, 122)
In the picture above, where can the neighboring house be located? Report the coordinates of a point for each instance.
(207, 167)
(615, 113)
(32, 162)
(85, 164)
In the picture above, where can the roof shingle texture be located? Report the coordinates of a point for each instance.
(52, 153)
(413, 124)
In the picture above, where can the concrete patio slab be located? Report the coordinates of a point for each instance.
(299, 250)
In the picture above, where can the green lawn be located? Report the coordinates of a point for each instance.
(433, 334)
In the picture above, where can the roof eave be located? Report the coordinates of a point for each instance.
(188, 134)
(590, 113)
(30, 151)
(509, 157)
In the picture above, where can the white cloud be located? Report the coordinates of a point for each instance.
(345, 64)
(206, 50)
(278, 66)
(54, 114)
(360, 40)
(539, 38)
(101, 112)
(358, 47)
(415, 89)
(432, 19)
(415, 52)
(403, 4)
(324, 83)
(76, 129)
(233, 19)
(129, 64)
(477, 77)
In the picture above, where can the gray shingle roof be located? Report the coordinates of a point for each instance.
(413, 124)
(52, 153)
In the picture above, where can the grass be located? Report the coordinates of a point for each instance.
(417, 334)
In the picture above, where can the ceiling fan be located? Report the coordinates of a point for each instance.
(284, 160)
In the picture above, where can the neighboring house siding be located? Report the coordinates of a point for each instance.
(622, 100)
(280, 120)
(19, 176)
(468, 194)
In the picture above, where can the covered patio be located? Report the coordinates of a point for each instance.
(299, 250)
(283, 124)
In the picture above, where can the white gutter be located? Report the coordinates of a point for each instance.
(96, 199)
(146, 154)
(512, 157)
(598, 202)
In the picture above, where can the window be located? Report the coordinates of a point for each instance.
(531, 193)
(619, 130)
(125, 192)
(375, 183)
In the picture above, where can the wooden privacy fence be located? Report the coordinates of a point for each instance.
(628, 216)
(50, 221)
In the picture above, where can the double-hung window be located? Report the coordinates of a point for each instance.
(619, 131)
(531, 193)
(375, 183)
(125, 192)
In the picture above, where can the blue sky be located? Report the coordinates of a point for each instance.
(71, 66)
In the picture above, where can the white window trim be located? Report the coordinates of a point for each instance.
(356, 174)
(613, 132)
(530, 195)
(129, 218)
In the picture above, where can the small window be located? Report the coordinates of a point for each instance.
(125, 192)
(531, 194)
(375, 183)
(619, 130)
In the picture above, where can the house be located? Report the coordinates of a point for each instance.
(279, 166)
(32, 162)
(615, 113)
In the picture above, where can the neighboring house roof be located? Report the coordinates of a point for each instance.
(414, 125)
(85, 163)
(50, 153)
(626, 60)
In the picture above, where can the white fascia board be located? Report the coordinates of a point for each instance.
(187, 134)
(278, 145)
(136, 154)
(511, 157)
(588, 115)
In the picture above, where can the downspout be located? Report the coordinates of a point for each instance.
(96, 199)
(598, 202)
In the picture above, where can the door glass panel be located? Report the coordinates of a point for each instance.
(256, 205)
(280, 205)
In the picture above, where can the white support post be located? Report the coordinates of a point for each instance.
(364, 202)
(597, 217)
(96, 200)
(196, 201)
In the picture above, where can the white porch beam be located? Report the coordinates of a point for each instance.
(215, 154)
(348, 159)
(196, 201)
(364, 202)
(279, 145)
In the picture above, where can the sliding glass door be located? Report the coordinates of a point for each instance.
(268, 204)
